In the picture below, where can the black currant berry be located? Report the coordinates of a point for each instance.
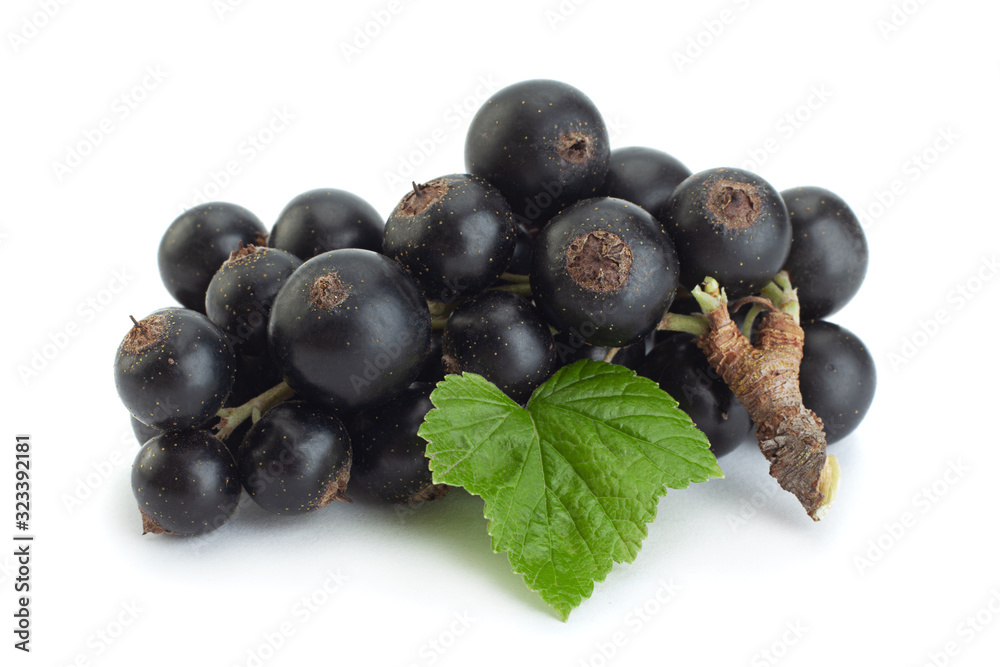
(829, 256)
(349, 329)
(570, 347)
(198, 242)
(500, 336)
(254, 376)
(837, 377)
(433, 370)
(455, 235)
(643, 176)
(240, 295)
(174, 369)
(731, 225)
(185, 483)
(605, 270)
(326, 219)
(543, 144)
(682, 370)
(142, 432)
(520, 261)
(390, 461)
(296, 458)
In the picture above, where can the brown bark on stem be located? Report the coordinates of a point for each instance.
(765, 379)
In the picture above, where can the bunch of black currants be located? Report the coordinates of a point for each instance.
(300, 363)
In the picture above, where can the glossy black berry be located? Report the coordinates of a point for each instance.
(296, 458)
(682, 370)
(643, 176)
(321, 220)
(455, 235)
(141, 431)
(185, 483)
(731, 225)
(837, 377)
(198, 242)
(829, 256)
(254, 375)
(604, 269)
(240, 295)
(543, 144)
(174, 369)
(520, 261)
(349, 329)
(500, 336)
(390, 461)
(433, 369)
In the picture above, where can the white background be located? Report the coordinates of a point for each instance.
(898, 119)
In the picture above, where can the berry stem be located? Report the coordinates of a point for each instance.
(515, 278)
(231, 418)
(765, 379)
(692, 324)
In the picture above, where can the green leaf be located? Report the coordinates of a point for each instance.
(571, 480)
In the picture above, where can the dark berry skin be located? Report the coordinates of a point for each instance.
(643, 176)
(543, 144)
(731, 225)
(141, 431)
(240, 295)
(326, 219)
(390, 461)
(349, 329)
(520, 261)
(500, 336)
(455, 235)
(837, 378)
(604, 269)
(295, 459)
(174, 369)
(185, 483)
(829, 256)
(198, 242)
(433, 370)
(570, 347)
(682, 370)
